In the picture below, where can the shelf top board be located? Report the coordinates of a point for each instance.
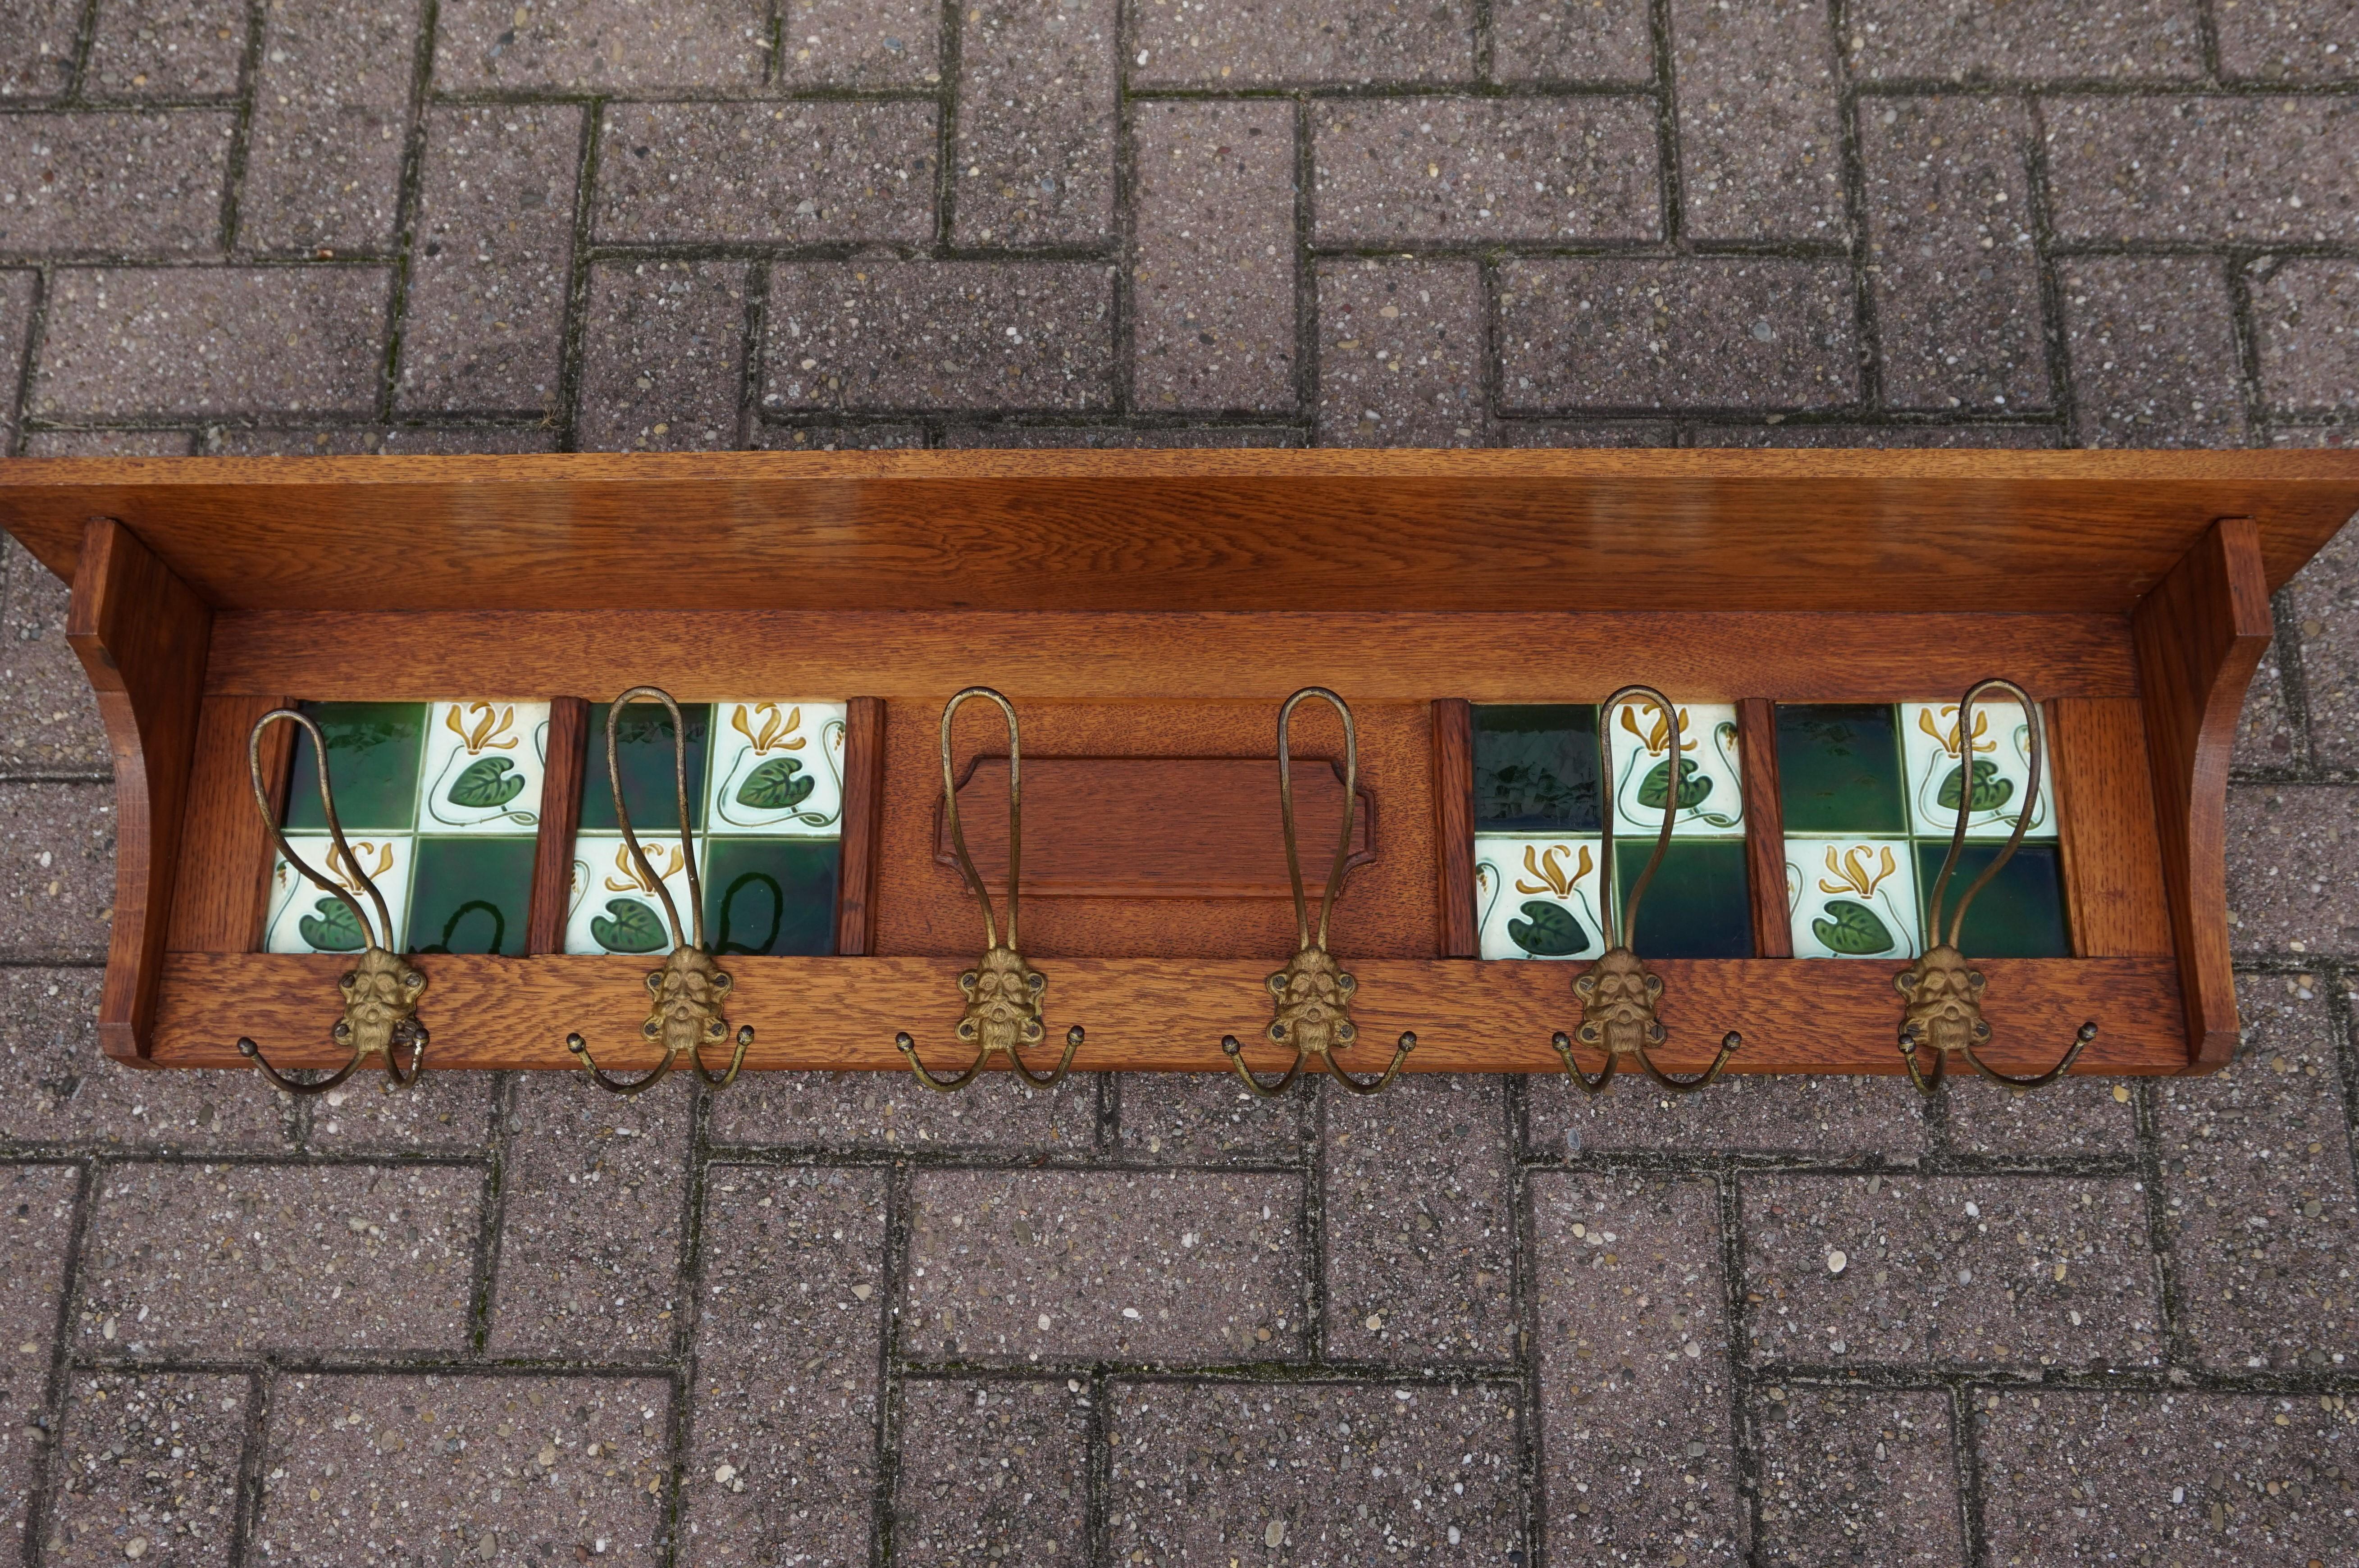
(1358, 531)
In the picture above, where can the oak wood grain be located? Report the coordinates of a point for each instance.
(1765, 827)
(922, 657)
(863, 814)
(1453, 828)
(222, 890)
(1249, 530)
(140, 632)
(2200, 636)
(924, 906)
(2116, 899)
(562, 772)
(1797, 1015)
(1155, 827)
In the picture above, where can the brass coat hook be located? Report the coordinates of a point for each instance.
(1941, 993)
(1311, 996)
(382, 988)
(1618, 993)
(1003, 992)
(690, 988)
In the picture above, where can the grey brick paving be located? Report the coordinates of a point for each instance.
(800, 1321)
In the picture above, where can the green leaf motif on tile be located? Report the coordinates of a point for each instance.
(1855, 930)
(332, 929)
(1991, 791)
(773, 786)
(1658, 783)
(1548, 930)
(628, 926)
(487, 784)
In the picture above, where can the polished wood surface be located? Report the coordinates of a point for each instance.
(2200, 636)
(1161, 1014)
(1155, 827)
(1765, 827)
(922, 658)
(222, 894)
(140, 634)
(925, 908)
(1455, 934)
(863, 814)
(562, 772)
(2115, 898)
(1229, 530)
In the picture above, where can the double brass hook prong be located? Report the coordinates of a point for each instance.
(1311, 996)
(1618, 993)
(1003, 992)
(382, 988)
(1941, 993)
(687, 991)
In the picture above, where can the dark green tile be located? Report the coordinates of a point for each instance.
(2019, 915)
(471, 895)
(374, 751)
(1536, 768)
(643, 748)
(1697, 906)
(1839, 768)
(770, 894)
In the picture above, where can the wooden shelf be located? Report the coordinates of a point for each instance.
(1153, 607)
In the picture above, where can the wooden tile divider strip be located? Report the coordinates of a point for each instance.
(1166, 1014)
(1765, 827)
(1453, 828)
(562, 772)
(862, 819)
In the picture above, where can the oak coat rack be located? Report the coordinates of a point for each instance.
(1147, 610)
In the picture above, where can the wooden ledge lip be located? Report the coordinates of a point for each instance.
(1821, 1016)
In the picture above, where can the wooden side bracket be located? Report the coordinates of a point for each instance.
(2200, 634)
(141, 634)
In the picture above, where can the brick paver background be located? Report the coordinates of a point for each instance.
(837, 1322)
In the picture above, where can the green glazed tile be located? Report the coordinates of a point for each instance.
(643, 748)
(471, 895)
(1839, 768)
(1697, 906)
(373, 756)
(2019, 915)
(770, 894)
(1536, 768)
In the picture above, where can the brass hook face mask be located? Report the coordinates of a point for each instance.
(382, 988)
(688, 993)
(1941, 993)
(1311, 996)
(1618, 993)
(1001, 1015)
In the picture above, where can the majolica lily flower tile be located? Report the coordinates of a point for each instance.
(1539, 895)
(1999, 770)
(446, 797)
(1853, 898)
(302, 918)
(612, 905)
(1710, 787)
(776, 770)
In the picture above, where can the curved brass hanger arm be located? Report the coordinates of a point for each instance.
(1941, 993)
(688, 993)
(381, 989)
(1003, 992)
(1311, 996)
(1618, 993)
